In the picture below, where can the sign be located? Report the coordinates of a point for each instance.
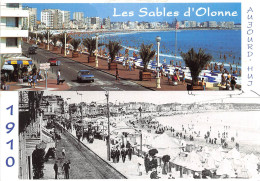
(45, 66)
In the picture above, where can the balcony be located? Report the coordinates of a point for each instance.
(13, 32)
(13, 12)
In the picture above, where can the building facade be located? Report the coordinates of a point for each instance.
(11, 29)
(79, 16)
(52, 18)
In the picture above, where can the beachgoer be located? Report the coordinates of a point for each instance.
(233, 83)
(227, 84)
(223, 79)
(203, 83)
(183, 78)
(34, 80)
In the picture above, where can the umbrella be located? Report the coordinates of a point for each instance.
(153, 152)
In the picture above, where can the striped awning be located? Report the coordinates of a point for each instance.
(19, 62)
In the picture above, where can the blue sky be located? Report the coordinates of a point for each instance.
(107, 9)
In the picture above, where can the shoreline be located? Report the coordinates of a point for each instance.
(245, 148)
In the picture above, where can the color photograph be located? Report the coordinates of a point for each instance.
(121, 46)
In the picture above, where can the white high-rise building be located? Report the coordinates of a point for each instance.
(32, 18)
(52, 18)
(65, 19)
(79, 16)
(11, 29)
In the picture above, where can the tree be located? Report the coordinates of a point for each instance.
(146, 54)
(196, 62)
(45, 35)
(54, 39)
(75, 43)
(32, 35)
(90, 43)
(61, 37)
(40, 36)
(38, 163)
(113, 48)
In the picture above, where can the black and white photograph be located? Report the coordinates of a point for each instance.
(119, 135)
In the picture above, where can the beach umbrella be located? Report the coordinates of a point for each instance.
(8, 67)
(153, 152)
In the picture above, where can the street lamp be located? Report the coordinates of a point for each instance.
(97, 49)
(108, 128)
(158, 39)
(65, 49)
(48, 40)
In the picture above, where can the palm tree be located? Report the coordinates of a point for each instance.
(61, 37)
(146, 54)
(90, 43)
(54, 39)
(196, 62)
(40, 36)
(75, 43)
(45, 35)
(113, 48)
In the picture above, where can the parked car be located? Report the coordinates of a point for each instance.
(53, 61)
(35, 46)
(85, 75)
(31, 50)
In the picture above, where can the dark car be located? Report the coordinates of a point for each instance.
(53, 61)
(31, 50)
(35, 46)
(85, 75)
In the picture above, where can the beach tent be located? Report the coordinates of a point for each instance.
(225, 168)
(234, 154)
(216, 155)
(210, 164)
(193, 162)
(251, 158)
(164, 141)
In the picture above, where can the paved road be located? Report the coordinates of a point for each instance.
(84, 163)
(70, 68)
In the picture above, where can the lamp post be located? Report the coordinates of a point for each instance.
(96, 49)
(48, 47)
(65, 49)
(108, 128)
(158, 39)
(36, 38)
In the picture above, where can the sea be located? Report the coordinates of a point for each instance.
(218, 43)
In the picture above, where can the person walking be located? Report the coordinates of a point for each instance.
(34, 79)
(123, 154)
(129, 153)
(203, 83)
(117, 154)
(233, 83)
(183, 78)
(66, 167)
(55, 167)
(58, 77)
(227, 84)
(63, 152)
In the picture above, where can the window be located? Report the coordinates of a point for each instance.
(12, 22)
(12, 5)
(11, 42)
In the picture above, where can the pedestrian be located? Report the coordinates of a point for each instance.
(223, 79)
(58, 77)
(34, 79)
(66, 167)
(203, 83)
(123, 154)
(169, 78)
(183, 78)
(117, 75)
(233, 83)
(30, 79)
(117, 154)
(129, 153)
(227, 84)
(55, 167)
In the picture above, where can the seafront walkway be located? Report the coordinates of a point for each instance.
(124, 74)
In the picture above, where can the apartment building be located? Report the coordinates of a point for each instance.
(52, 18)
(11, 29)
(31, 22)
(79, 16)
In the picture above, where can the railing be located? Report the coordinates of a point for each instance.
(10, 7)
(4, 27)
